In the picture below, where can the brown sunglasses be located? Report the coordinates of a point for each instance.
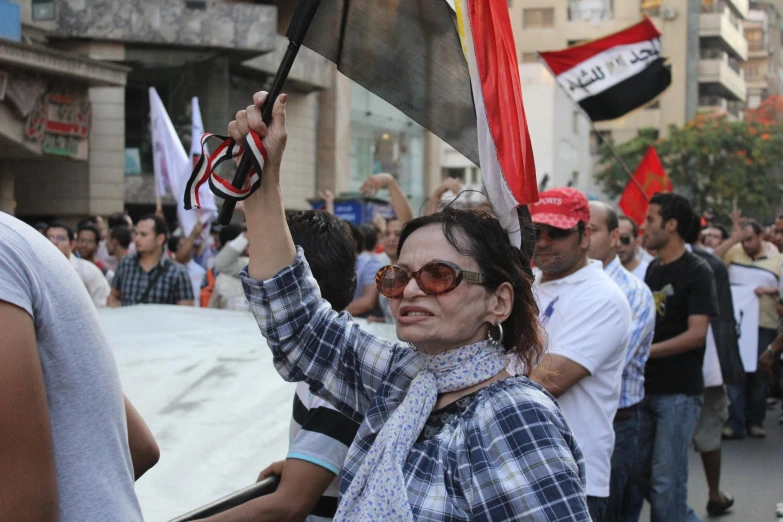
(434, 278)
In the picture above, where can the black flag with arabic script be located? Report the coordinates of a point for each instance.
(614, 75)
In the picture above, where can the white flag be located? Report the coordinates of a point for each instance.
(187, 218)
(169, 158)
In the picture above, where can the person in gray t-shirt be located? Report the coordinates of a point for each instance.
(71, 445)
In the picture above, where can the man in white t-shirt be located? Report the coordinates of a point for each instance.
(588, 324)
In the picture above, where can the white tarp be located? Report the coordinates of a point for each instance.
(204, 381)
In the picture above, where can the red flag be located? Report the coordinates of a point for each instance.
(652, 178)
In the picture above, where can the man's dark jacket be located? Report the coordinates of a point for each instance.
(724, 326)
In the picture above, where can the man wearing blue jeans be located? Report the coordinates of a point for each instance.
(603, 247)
(684, 293)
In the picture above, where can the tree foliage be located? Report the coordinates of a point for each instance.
(713, 160)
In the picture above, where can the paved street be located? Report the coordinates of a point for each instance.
(752, 473)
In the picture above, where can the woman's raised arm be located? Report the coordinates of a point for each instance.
(309, 341)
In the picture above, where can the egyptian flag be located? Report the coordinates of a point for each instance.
(432, 65)
(614, 75)
(449, 65)
(649, 179)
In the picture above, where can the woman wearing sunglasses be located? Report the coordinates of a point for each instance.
(446, 433)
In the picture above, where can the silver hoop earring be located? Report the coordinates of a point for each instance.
(499, 340)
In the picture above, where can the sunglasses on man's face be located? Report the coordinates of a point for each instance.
(553, 233)
(434, 278)
(626, 240)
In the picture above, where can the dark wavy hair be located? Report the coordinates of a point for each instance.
(330, 251)
(479, 235)
(675, 206)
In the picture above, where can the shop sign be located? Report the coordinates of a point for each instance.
(59, 123)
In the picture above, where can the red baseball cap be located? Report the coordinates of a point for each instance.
(561, 208)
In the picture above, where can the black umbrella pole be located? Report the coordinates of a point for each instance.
(300, 23)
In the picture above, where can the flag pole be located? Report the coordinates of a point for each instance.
(618, 158)
(297, 30)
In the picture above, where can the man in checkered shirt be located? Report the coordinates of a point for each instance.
(150, 277)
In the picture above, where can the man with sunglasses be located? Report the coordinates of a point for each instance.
(588, 325)
(603, 247)
(628, 248)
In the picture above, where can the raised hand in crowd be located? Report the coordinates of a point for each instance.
(185, 251)
(449, 184)
(399, 200)
(379, 223)
(328, 198)
(734, 238)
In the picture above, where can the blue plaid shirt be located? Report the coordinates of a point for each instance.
(509, 455)
(642, 329)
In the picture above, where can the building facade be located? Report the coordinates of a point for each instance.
(764, 68)
(219, 50)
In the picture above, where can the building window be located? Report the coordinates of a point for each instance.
(575, 122)
(538, 18)
(571, 43)
(651, 7)
(596, 140)
(43, 9)
(458, 173)
(755, 38)
(589, 10)
(529, 58)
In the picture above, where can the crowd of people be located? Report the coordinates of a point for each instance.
(565, 382)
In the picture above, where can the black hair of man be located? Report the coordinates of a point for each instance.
(358, 237)
(122, 234)
(60, 224)
(41, 226)
(91, 228)
(634, 226)
(84, 222)
(330, 251)
(724, 232)
(160, 225)
(173, 244)
(755, 225)
(370, 235)
(677, 207)
(229, 233)
(117, 220)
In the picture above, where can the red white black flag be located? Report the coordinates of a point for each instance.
(614, 75)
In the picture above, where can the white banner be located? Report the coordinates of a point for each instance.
(711, 367)
(746, 312)
(169, 158)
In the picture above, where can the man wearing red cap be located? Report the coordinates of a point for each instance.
(588, 323)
